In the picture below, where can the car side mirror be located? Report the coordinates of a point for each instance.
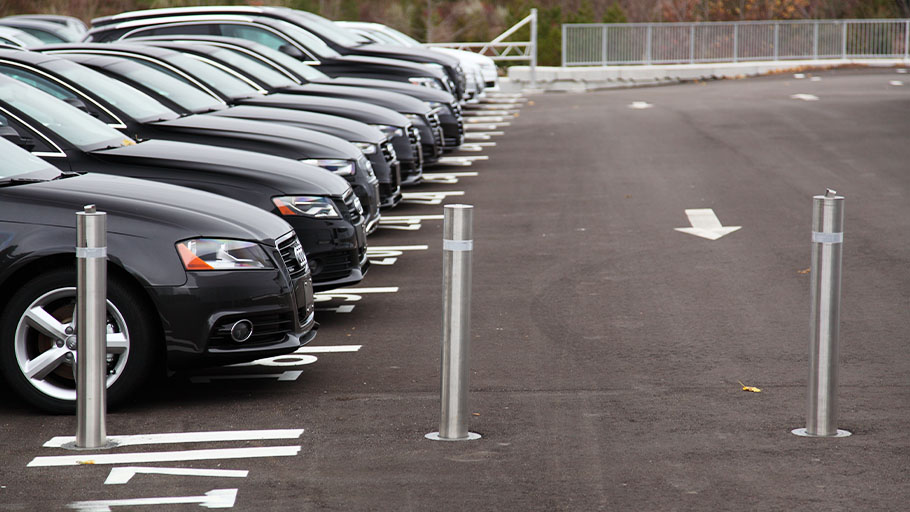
(293, 51)
(9, 133)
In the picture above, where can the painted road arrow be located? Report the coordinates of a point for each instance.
(216, 498)
(706, 225)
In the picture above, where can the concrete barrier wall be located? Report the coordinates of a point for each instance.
(580, 79)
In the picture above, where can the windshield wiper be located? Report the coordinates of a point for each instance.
(9, 182)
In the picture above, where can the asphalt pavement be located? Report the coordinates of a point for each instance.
(608, 348)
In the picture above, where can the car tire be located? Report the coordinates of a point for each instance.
(37, 323)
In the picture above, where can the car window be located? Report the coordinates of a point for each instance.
(70, 123)
(134, 103)
(253, 68)
(307, 40)
(162, 82)
(43, 36)
(15, 160)
(39, 144)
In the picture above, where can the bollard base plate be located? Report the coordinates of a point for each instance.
(434, 436)
(106, 446)
(805, 433)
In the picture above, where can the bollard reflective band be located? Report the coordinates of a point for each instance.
(457, 245)
(91, 252)
(827, 238)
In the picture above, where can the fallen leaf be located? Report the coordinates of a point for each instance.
(804, 271)
(475, 414)
(85, 462)
(750, 389)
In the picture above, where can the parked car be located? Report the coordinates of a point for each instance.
(320, 206)
(183, 266)
(14, 38)
(47, 31)
(425, 117)
(232, 90)
(391, 36)
(188, 100)
(140, 116)
(74, 24)
(279, 35)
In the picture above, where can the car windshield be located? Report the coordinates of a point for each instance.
(401, 36)
(223, 81)
(307, 40)
(15, 161)
(134, 103)
(163, 84)
(73, 125)
(254, 68)
(293, 65)
(327, 29)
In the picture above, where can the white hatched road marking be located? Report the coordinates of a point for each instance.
(388, 255)
(406, 223)
(216, 498)
(189, 437)
(145, 457)
(122, 475)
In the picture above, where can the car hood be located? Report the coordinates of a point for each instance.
(136, 208)
(391, 100)
(308, 143)
(415, 91)
(403, 52)
(403, 65)
(280, 175)
(358, 110)
(347, 129)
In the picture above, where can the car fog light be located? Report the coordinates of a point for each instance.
(241, 330)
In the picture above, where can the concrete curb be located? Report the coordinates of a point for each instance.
(592, 78)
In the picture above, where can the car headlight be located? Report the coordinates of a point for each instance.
(220, 254)
(425, 81)
(389, 130)
(337, 166)
(368, 148)
(316, 207)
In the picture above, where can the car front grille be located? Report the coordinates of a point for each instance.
(414, 139)
(435, 127)
(354, 213)
(267, 328)
(291, 253)
(388, 152)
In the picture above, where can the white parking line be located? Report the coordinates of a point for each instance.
(804, 97)
(329, 349)
(430, 198)
(482, 135)
(189, 437)
(485, 126)
(216, 498)
(122, 475)
(144, 457)
(446, 178)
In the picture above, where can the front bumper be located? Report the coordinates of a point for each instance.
(197, 316)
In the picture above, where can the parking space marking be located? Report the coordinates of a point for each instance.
(189, 437)
(429, 198)
(705, 224)
(216, 498)
(405, 222)
(463, 161)
(475, 146)
(175, 456)
(482, 135)
(485, 119)
(122, 475)
(344, 308)
(329, 349)
(447, 178)
(288, 376)
(351, 294)
(640, 105)
(804, 97)
(388, 255)
(896, 83)
(485, 126)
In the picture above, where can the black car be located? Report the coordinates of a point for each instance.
(232, 89)
(406, 99)
(187, 100)
(309, 25)
(183, 268)
(320, 206)
(276, 33)
(142, 117)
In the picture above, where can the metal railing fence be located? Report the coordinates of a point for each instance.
(682, 43)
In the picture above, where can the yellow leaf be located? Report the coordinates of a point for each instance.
(750, 389)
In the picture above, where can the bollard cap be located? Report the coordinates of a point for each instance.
(89, 208)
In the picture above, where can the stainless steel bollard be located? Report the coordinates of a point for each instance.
(91, 328)
(825, 278)
(457, 246)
